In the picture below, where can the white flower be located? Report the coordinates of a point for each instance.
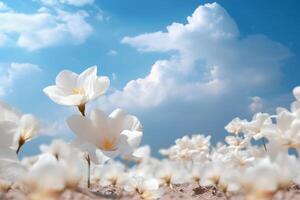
(118, 133)
(212, 173)
(187, 148)
(29, 161)
(286, 131)
(169, 173)
(141, 154)
(17, 128)
(196, 172)
(28, 127)
(219, 175)
(48, 177)
(268, 176)
(113, 174)
(235, 126)
(11, 169)
(296, 93)
(254, 127)
(237, 143)
(8, 113)
(72, 89)
(58, 148)
(36, 180)
(241, 159)
(146, 188)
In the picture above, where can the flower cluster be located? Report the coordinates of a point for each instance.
(254, 159)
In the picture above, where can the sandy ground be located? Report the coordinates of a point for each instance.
(184, 192)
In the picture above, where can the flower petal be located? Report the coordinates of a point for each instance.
(100, 86)
(296, 93)
(66, 79)
(8, 113)
(120, 120)
(85, 78)
(100, 121)
(129, 141)
(61, 97)
(8, 130)
(83, 128)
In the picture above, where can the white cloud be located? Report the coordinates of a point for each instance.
(43, 28)
(3, 39)
(49, 2)
(10, 74)
(256, 104)
(68, 2)
(209, 58)
(3, 6)
(77, 2)
(112, 52)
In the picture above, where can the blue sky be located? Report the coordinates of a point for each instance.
(232, 58)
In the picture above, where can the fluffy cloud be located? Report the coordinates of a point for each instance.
(77, 2)
(69, 2)
(12, 73)
(3, 6)
(209, 58)
(112, 52)
(44, 28)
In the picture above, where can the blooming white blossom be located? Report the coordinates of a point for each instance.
(254, 128)
(147, 189)
(17, 128)
(238, 143)
(169, 173)
(235, 126)
(139, 155)
(219, 175)
(267, 176)
(72, 89)
(118, 133)
(113, 174)
(188, 149)
(61, 174)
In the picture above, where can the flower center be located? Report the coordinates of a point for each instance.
(78, 91)
(25, 134)
(108, 144)
(146, 195)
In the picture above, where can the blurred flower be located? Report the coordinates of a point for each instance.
(189, 149)
(169, 173)
(58, 148)
(139, 155)
(113, 174)
(60, 174)
(235, 126)
(17, 128)
(254, 128)
(146, 188)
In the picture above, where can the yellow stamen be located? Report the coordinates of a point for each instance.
(108, 144)
(78, 91)
(146, 195)
(25, 134)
